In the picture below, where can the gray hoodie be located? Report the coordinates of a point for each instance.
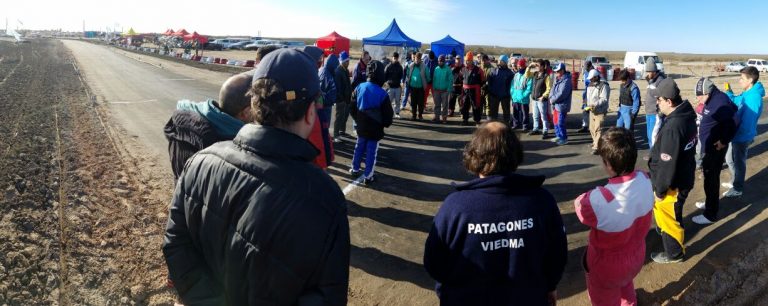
(650, 105)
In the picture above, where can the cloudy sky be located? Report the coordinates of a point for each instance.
(734, 26)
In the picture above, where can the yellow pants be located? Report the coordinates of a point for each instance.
(666, 219)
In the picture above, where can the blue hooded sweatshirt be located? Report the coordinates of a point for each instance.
(497, 240)
(225, 125)
(750, 104)
(562, 92)
(327, 81)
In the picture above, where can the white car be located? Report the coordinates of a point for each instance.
(636, 60)
(735, 66)
(760, 64)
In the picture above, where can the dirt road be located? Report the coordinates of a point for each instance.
(115, 184)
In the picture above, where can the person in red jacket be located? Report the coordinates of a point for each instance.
(474, 77)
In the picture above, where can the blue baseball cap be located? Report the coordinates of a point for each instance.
(343, 56)
(294, 70)
(558, 67)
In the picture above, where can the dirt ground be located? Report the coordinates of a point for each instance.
(84, 199)
(78, 226)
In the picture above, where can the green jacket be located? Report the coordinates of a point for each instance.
(443, 78)
(416, 76)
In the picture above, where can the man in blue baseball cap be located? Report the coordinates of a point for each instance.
(252, 221)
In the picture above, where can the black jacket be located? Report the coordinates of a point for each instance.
(672, 161)
(188, 132)
(717, 121)
(343, 85)
(253, 222)
(393, 74)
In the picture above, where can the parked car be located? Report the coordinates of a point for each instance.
(294, 44)
(240, 46)
(735, 66)
(601, 61)
(637, 61)
(226, 43)
(212, 46)
(760, 64)
(258, 44)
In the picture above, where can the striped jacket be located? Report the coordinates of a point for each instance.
(618, 213)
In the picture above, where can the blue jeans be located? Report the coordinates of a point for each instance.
(366, 147)
(625, 117)
(406, 95)
(736, 157)
(540, 114)
(560, 131)
(650, 122)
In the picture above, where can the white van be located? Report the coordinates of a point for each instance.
(637, 60)
(760, 64)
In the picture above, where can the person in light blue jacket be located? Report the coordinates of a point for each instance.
(750, 106)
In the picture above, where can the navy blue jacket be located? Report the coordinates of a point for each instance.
(497, 240)
(500, 82)
(372, 110)
(717, 121)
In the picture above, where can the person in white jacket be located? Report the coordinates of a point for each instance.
(598, 94)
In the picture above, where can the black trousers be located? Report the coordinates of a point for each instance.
(493, 107)
(469, 102)
(671, 246)
(711, 165)
(455, 96)
(417, 102)
(521, 116)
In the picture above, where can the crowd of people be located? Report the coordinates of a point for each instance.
(256, 220)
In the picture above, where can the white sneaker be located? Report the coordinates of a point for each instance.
(337, 140)
(701, 205)
(727, 185)
(397, 116)
(732, 193)
(700, 219)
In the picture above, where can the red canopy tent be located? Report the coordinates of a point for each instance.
(333, 43)
(168, 32)
(180, 32)
(194, 36)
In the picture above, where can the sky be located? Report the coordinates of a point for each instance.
(712, 27)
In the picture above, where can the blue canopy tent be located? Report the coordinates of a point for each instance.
(448, 45)
(391, 39)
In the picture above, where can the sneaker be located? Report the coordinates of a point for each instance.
(562, 142)
(700, 219)
(465, 123)
(556, 139)
(732, 193)
(524, 130)
(534, 132)
(397, 116)
(727, 185)
(337, 139)
(583, 129)
(369, 180)
(354, 173)
(663, 258)
(701, 205)
(544, 135)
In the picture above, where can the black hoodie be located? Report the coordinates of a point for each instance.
(672, 161)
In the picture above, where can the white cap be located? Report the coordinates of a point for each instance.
(593, 73)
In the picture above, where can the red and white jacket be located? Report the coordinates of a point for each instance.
(619, 213)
